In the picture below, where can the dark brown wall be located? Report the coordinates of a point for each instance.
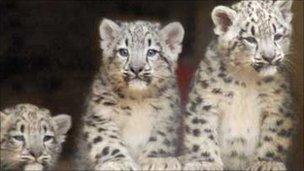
(297, 80)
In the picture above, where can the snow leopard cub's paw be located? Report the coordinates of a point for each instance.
(202, 165)
(267, 166)
(33, 167)
(160, 163)
(121, 164)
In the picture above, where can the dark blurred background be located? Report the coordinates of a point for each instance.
(49, 52)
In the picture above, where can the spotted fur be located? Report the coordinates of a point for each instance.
(239, 111)
(30, 138)
(133, 108)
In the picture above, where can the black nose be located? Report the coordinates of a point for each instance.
(35, 154)
(136, 70)
(268, 58)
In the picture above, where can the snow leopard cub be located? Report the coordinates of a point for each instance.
(239, 111)
(30, 138)
(133, 108)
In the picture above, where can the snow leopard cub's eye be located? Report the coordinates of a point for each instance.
(251, 40)
(18, 138)
(48, 138)
(278, 37)
(123, 52)
(151, 53)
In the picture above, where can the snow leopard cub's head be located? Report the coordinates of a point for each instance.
(30, 137)
(255, 34)
(140, 55)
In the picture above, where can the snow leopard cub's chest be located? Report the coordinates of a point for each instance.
(135, 124)
(239, 122)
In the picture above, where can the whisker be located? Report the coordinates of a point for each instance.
(163, 76)
(289, 66)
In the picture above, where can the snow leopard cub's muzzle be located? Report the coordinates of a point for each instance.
(35, 155)
(267, 59)
(138, 74)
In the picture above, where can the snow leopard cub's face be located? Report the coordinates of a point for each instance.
(30, 137)
(255, 33)
(140, 55)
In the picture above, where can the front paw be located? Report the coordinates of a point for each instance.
(121, 164)
(33, 167)
(202, 165)
(159, 163)
(267, 166)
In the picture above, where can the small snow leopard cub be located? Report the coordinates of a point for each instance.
(133, 109)
(239, 111)
(30, 138)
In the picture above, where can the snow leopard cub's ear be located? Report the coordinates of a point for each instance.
(223, 17)
(173, 35)
(63, 123)
(3, 118)
(284, 6)
(108, 31)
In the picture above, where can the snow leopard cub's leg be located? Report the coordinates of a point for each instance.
(160, 151)
(106, 148)
(200, 147)
(277, 128)
(103, 146)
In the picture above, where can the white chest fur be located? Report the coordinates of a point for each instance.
(239, 124)
(136, 128)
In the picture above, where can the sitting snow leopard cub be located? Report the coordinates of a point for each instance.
(239, 111)
(30, 138)
(133, 109)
